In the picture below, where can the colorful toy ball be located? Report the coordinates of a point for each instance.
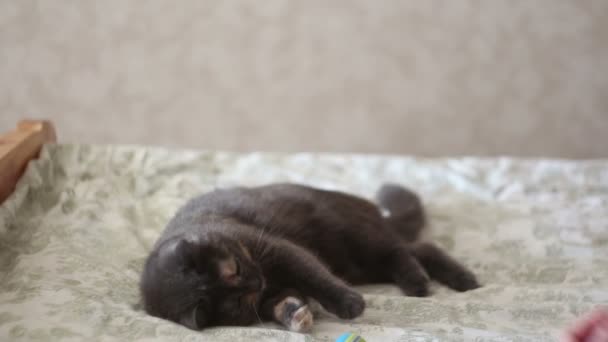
(350, 337)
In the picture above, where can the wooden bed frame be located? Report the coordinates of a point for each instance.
(20, 146)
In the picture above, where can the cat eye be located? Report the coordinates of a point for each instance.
(237, 269)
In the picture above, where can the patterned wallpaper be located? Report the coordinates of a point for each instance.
(514, 77)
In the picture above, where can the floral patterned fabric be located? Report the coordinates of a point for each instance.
(74, 235)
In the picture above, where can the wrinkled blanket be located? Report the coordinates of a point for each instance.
(74, 235)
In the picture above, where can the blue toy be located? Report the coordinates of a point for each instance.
(350, 337)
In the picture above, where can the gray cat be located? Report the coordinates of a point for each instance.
(242, 255)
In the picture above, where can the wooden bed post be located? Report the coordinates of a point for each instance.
(18, 147)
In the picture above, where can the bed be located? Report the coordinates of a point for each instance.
(75, 230)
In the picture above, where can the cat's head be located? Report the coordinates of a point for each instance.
(201, 282)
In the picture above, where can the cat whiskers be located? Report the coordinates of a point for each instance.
(257, 315)
(257, 244)
(262, 254)
(264, 228)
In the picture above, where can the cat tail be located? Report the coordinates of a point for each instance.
(405, 211)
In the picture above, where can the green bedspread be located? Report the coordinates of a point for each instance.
(74, 235)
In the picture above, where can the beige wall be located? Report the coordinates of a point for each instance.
(515, 77)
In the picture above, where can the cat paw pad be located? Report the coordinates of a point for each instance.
(302, 320)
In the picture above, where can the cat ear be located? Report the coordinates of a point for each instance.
(177, 254)
(195, 319)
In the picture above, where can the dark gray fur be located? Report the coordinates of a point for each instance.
(289, 240)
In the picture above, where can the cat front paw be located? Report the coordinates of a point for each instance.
(349, 305)
(294, 314)
(302, 320)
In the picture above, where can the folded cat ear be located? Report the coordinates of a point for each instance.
(177, 254)
(195, 319)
